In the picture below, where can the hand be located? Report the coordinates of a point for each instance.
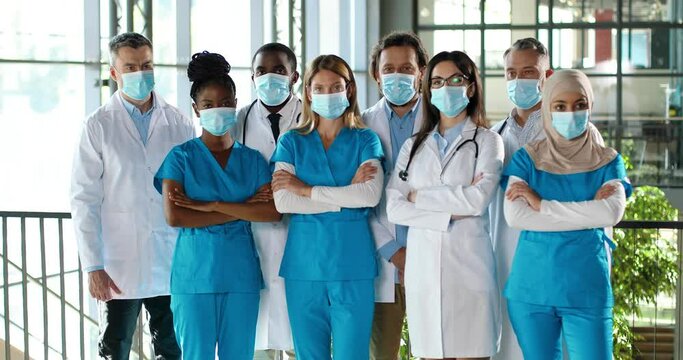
(399, 259)
(401, 277)
(262, 195)
(283, 180)
(520, 189)
(180, 199)
(605, 191)
(364, 173)
(101, 285)
(477, 179)
(412, 195)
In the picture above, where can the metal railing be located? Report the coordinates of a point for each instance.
(40, 266)
(46, 309)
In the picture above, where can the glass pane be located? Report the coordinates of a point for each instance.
(329, 37)
(648, 10)
(166, 82)
(496, 99)
(30, 116)
(450, 40)
(38, 30)
(653, 129)
(165, 32)
(592, 50)
(580, 11)
(522, 12)
(498, 12)
(212, 22)
(496, 41)
(652, 49)
(448, 12)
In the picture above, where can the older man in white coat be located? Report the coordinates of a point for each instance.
(527, 66)
(397, 64)
(124, 243)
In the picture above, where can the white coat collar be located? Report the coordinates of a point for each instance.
(469, 127)
(115, 105)
(289, 112)
(376, 118)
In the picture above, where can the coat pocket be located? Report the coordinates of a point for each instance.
(118, 235)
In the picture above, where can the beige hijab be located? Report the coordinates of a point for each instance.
(557, 155)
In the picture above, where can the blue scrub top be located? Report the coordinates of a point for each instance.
(334, 245)
(562, 268)
(217, 258)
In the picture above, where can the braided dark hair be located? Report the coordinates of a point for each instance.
(207, 68)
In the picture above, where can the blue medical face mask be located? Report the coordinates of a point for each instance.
(450, 100)
(138, 85)
(329, 106)
(570, 124)
(398, 88)
(272, 89)
(217, 121)
(524, 93)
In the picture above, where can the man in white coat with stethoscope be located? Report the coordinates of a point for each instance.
(259, 125)
(527, 65)
(397, 64)
(124, 243)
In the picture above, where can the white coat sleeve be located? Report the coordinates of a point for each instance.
(361, 195)
(566, 216)
(288, 202)
(468, 200)
(87, 195)
(403, 212)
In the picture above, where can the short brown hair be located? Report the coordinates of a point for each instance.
(398, 38)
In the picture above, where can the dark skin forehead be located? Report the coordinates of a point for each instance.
(271, 61)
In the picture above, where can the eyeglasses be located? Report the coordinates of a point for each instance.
(453, 80)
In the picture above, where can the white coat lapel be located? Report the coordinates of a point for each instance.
(158, 116)
(121, 115)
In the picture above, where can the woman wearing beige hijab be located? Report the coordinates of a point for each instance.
(562, 192)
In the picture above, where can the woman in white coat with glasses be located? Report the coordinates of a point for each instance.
(443, 182)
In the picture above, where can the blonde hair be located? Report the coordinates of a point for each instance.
(337, 65)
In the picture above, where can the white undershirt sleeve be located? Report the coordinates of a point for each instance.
(566, 216)
(360, 195)
(287, 202)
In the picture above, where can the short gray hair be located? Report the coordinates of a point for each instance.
(529, 44)
(129, 39)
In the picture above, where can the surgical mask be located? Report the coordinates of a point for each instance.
(217, 121)
(450, 100)
(570, 124)
(330, 106)
(138, 85)
(272, 89)
(398, 88)
(524, 93)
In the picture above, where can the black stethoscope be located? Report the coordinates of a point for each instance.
(246, 118)
(403, 174)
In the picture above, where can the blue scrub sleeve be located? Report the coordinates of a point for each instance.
(172, 168)
(372, 147)
(616, 170)
(520, 166)
(263, 171)
(284, 151)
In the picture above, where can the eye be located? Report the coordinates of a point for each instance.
(338, 88)
(582, 105)
(281, 71)
(512, 74)
(317, 90)
(207, 106)
(147, 67)
(407, 69)
(559, 107)
(387, 69)
(258, 73)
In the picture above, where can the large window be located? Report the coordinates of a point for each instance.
(633, 55)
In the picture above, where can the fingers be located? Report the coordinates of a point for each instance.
(478, 178)
(113, 286)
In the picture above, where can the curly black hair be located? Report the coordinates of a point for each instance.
(207, 68)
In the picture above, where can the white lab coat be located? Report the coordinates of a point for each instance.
(272, 327)
(505, 238)
(117, 213)
(382, 230)
(452, 295)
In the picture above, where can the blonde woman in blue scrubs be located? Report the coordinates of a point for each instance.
(328, 176)
(213, 187)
